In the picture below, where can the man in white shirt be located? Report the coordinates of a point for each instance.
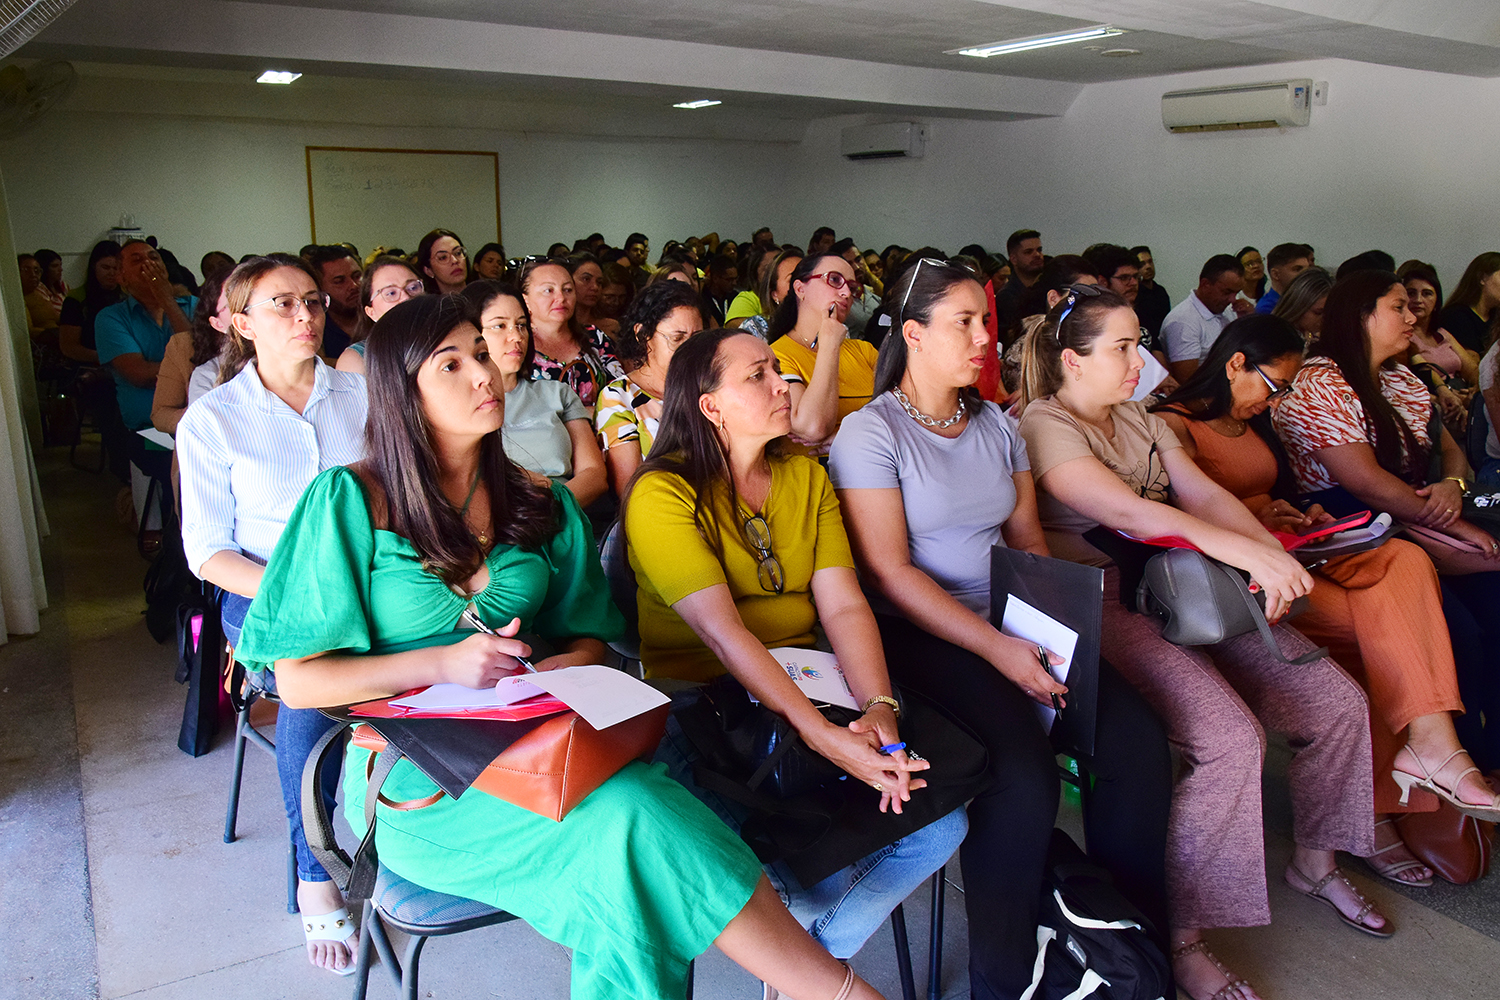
(1193, 325)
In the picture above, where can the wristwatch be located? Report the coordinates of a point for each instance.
(1463, 485)
(884, 699)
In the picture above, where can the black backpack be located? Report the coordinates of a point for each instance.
(1092, 942)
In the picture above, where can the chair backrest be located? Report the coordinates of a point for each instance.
(622, 588)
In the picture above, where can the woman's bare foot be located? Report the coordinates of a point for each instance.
(315, 899)
(1200, 974)
(1392, 859)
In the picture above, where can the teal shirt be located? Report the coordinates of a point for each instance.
(127, 328)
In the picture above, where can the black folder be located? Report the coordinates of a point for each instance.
(1074, 595)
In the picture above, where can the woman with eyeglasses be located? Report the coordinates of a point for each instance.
(1380, 612)
(738, 549)
(387, 281)
(1360, 434)
(383, 560)
(443, 262)
(661, 319)
(929, 477)
(547, 428)
(247, 449)
(581, 357)
(1101, 460)
(830, 374)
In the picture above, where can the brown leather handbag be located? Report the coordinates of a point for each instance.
(549, 769)
(1455, 846)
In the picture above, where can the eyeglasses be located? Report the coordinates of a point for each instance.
(286, 305)
(758, 536)
(449, 256)
(395, 293)
(913, 283)
(1277, 391)
(1075, 292)
(833, 279)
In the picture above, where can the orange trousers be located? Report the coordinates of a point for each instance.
(1380, 613)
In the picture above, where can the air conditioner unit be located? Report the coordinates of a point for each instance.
(882, 142)
(1251, 105)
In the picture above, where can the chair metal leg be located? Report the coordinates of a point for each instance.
(414, 946)
(903, 953)
(369, 926)
(292, 906)
(690, 980)
(935, 938)
(242, 723)
(373, 926)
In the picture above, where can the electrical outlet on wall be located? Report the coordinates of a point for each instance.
(1320, 93)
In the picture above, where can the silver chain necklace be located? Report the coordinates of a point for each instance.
(923, 418)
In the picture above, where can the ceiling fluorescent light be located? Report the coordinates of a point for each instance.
(695, 105)
(1037, 41)
(277, 76)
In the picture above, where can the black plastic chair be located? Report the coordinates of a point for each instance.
(245, 689)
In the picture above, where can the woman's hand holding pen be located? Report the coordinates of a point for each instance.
(1021, 663)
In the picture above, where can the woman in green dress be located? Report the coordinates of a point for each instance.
(361, 601)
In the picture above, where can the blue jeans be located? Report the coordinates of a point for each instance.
(843, 910)
(1488, 474)
(297, 732)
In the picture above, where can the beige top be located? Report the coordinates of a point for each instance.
(171, 398)
(1054, 437)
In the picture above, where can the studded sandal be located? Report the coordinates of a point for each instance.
(1234, 982)
(1316, 892)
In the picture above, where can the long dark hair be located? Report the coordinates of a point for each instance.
(1467, 292)
(208, 342)
(401, 460)
(785, 317)
(1041, 359)
(1351, 302)
(486, 290)
(686, 444)
(920, 289)
(424, 258)
(1420, 270)
(1207, 395)
(95, 295)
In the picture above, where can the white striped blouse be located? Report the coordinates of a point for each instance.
(246, 456)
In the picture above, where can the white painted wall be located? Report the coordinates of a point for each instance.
(240, 186)
(1399, 159)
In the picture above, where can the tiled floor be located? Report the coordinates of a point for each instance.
(116, 881)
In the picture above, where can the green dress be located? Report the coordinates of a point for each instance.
(638, 880)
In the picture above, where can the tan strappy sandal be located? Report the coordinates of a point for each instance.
(1428, 780)
(1393, 870)
(1316, 892)
(1234, 982)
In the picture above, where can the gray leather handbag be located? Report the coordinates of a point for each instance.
(1200, 602)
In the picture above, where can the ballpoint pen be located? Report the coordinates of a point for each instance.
(471, 618)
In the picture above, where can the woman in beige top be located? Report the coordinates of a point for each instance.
(186, 351)
(1099, 459)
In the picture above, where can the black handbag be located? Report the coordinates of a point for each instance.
(802, 809)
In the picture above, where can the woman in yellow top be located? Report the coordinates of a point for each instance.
(829, 374)
(731, 544)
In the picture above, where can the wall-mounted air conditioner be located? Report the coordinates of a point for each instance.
(1251, 105)
(882, 142)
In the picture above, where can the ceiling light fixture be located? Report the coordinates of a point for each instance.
(1037, 41)
(277, 76)
(695, 105)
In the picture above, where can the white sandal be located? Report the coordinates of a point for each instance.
(1406, 781)
(336, 926)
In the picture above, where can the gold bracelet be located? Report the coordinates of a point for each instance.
(884, 699)
(1463, 484)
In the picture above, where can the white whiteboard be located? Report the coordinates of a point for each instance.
(394, 197)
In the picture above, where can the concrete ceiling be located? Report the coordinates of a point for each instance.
(615, 66)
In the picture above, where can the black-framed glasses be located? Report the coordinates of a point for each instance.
(758, 536)
(286, 306)
(1075, 292)
(1277, 391)
(395, 293)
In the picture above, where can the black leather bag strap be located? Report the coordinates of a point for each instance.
(1261, 625)
(356, 875)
